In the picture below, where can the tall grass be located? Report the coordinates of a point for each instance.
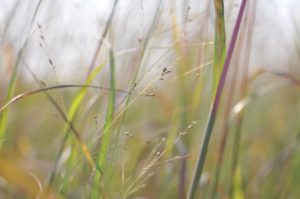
(154, 78)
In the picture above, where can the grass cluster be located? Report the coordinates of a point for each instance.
(175, 111)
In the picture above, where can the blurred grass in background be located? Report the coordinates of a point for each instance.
(156, 65)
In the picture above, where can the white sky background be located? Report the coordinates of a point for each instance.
(72, 29)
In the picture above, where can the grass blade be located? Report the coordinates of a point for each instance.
(102, 157)
(110, 111)
(103, 36)
(220, 42)
(62, 86)
(71, 115)
(12, 83)
(215, 106)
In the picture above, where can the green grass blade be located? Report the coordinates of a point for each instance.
(110, 111)
(9, 95)
(215, 105)
(80, 96)
(71, 115)
(102, 157)
(135, 77)
(12, 83)
(220, 43)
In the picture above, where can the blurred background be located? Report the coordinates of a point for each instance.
(72, 29)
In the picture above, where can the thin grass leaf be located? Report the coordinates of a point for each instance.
(83, 146)
(110, 111)
(102, 157)
(103, 36)
(226, 113)
(12, 83)
(135, 79)
(82, 93)
(62, 86)
(4, 115)
(220, 42)
(215, 106)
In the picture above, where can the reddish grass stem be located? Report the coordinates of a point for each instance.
(215, 105)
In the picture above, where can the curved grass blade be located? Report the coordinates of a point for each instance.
(71, 115)
(33, 92)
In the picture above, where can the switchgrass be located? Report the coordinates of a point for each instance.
(129, 122)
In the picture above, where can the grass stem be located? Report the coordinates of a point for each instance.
(215, 106)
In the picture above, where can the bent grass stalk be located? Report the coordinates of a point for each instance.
(83, 146)
(62, 86)
(215, 105)
(71, 115)
(74, 105)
